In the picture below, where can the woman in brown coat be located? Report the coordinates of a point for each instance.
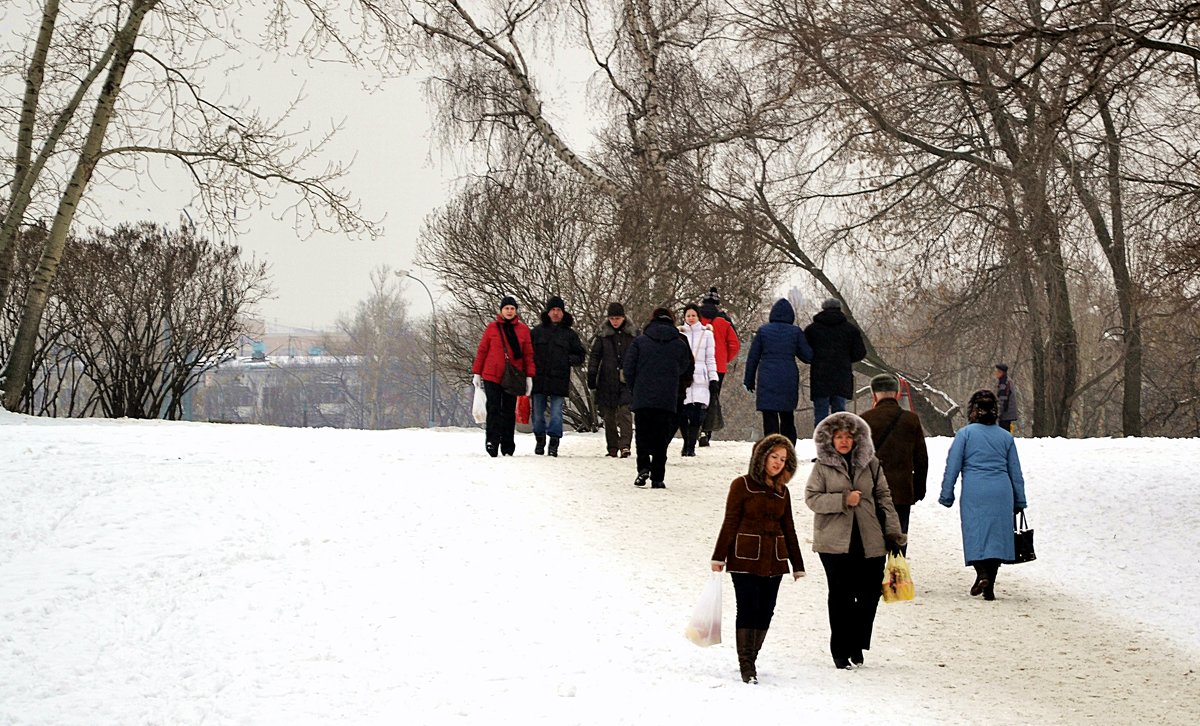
(757, 539)
(854, 526)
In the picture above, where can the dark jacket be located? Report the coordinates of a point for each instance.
(758, 534)
(489, 357)
(1006, 397)
(604, 372)
(836, 345)
(556, 350)
(903, 454)
(658, 367)
(772, 359)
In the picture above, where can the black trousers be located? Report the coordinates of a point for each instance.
(756, 596)
(854, 589)
(501, 417)
(713, 414)
(780, 422)
(653, 429)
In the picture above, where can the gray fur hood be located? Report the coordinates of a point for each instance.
(864, 448)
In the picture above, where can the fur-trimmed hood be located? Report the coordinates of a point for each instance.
(864, 448)
(758, 460)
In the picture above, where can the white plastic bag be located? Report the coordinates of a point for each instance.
(479, 407)
(705, 627)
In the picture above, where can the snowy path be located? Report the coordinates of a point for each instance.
(180, 574)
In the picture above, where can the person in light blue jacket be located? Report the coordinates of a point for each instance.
(993, 490)
(771, 369)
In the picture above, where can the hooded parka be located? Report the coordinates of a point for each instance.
(758, 535)
(700, 340)
(604, 364)
(771, 369)
(658, 366)
(832, 480)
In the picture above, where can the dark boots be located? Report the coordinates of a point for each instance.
(691, 435)
(749, 642)
(541, 444)
(985, 579)
(553, 450)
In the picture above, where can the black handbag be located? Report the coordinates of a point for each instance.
(512, 380)
(1023, 537)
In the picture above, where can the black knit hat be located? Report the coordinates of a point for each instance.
(555, 302)
(615, 309)
(508, 300)
(711, 297)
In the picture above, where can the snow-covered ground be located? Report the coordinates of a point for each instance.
(155, 573)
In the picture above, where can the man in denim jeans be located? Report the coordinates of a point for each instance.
(556, 350)
(837, 345)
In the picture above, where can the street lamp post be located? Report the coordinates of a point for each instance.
(432, 348)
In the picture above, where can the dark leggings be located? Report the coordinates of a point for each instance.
(854, 590)
(756, 597)
(501, 417)
(779, 422)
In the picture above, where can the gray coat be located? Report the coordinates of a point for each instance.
(831, 481)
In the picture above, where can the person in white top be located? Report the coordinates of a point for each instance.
(704, 377)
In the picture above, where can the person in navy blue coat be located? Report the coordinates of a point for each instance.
(771, 369)
(658, 368)
(993, 490)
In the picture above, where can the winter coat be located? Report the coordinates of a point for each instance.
(556, 350)
(724, 335)
(758, 535)
(772, 359)
(658, 366)
(604, 372)
(489, 358)
(903, 454)
(992, 488)
(836, 345)
(1006, 397)
(700, 340)
(831, 481)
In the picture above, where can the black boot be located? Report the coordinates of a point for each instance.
(553, 450)
(493, 449)
(989, 590)
(746, 654)
(541, 444)
(702, 440)
(981, 580)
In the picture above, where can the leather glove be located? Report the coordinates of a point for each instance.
(749, 389)
(896, 541)
(713, 387)
(477, 380)
(528, 386)
(1018, 509)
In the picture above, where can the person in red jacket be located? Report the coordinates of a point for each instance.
(506, 340)
(728, 346)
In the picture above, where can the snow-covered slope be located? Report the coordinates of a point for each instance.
(190, 573)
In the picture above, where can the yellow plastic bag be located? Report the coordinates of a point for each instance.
(704, 629)
(897, 579)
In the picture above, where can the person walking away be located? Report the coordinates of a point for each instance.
(756, 542)
(1006, 396)
(556, 350)
(899, 442)
(854, 527)
(607, 379)
(505, 340)
(837, 345)
(658, 367)
(771, 369)
(704, 377)
(993, 490)
(727, 347)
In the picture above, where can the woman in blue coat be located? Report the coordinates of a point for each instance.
(771, 369)
(993, 490)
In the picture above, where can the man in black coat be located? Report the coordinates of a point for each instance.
(556, 350)
(658, 368)
(606, 378)
(837, 345)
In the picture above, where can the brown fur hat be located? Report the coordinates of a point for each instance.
(758, 460)
(864, 448)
